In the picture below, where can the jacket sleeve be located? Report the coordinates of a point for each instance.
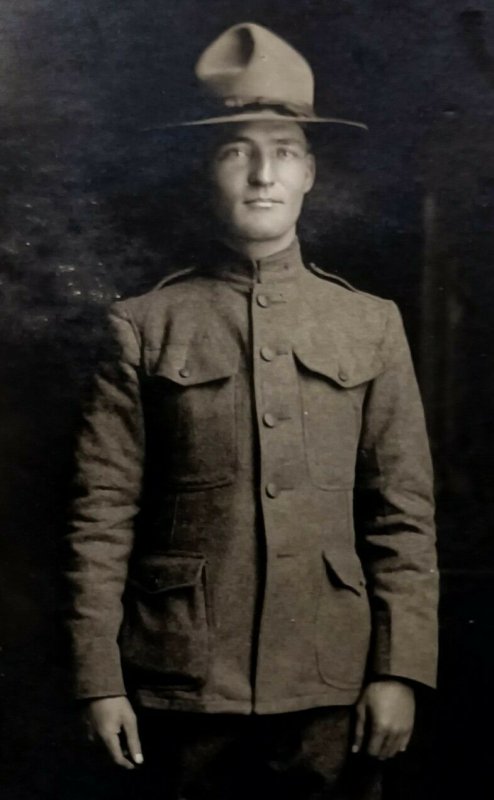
(394, 510)
(109, 461)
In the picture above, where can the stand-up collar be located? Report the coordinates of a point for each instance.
(229, 265)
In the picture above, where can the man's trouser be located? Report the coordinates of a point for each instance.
(303, 755)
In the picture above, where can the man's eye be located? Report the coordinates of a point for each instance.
(288, 153)
(232, 154)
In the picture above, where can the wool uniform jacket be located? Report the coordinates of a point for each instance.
(253, 528)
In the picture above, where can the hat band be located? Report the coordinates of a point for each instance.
(253, 104)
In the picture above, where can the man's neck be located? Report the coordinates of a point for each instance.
(254, 251)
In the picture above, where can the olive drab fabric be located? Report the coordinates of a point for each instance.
(254, 525)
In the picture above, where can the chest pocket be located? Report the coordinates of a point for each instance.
(333, 388)
(189, 411)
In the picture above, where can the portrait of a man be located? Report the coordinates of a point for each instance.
(251, 402)
(246, 424)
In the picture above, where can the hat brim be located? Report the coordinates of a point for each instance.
(259, 116)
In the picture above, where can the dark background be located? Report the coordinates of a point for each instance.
(93, 209)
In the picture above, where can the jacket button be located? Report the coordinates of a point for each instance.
(267, 353)
(262, 300)
(342, 375)
(272, 490)
(269, 420)
(184, 372)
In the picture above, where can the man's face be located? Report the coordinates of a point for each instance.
(260, 173)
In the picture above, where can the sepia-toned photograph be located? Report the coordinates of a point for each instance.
(246, 415)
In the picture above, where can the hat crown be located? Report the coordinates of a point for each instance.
(250, 64)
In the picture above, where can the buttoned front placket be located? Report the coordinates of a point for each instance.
(282, 474)
(276, 393)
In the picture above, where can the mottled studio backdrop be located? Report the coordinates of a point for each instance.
(92, 209)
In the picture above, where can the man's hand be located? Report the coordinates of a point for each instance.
(385, 716)
(111, 720)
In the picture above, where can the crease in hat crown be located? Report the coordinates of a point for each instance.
(249, 73)
(248, 64)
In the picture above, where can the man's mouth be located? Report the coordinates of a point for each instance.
(262, 202)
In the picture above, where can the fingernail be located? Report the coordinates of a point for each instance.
(139, 758)
(354, 749)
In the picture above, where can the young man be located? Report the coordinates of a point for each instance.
(226, 607)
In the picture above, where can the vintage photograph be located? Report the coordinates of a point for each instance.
(246, 419)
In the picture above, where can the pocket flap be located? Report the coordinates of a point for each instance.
(346, 568)
(188, 365)
(346, 368)
(165, 573)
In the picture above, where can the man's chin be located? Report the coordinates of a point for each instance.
(259, 234)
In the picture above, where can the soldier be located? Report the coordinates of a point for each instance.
(236, 627)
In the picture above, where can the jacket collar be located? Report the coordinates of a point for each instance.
(226, 264)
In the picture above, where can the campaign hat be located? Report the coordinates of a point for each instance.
(249, 73)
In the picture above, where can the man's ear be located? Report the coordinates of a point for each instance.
(310, 172)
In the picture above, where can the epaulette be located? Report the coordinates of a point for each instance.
(330, 276)
(172, 277)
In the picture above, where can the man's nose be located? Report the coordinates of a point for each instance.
(261, 170)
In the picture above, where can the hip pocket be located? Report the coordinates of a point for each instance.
(343, 621)
(165, 629)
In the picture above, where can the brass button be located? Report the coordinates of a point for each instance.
(272, 490)
(269, 420)
(267, 353)
(262, 300)
(184, 372)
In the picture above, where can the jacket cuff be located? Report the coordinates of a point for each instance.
(98, 671)
(414, 665)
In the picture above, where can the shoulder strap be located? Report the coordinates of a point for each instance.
(172, 277)
(330, 276)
